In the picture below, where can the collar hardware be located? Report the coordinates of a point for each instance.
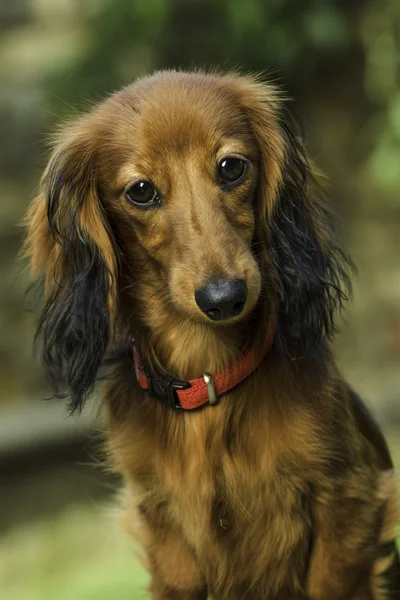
(211, 390)
(165, 387)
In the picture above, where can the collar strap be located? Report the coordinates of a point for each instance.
(204, 390)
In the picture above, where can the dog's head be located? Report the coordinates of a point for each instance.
(186, 197)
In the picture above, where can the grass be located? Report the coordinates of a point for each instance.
(75, 555)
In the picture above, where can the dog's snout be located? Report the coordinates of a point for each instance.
(222, 298)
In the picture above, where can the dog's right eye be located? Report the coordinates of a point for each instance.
(232, 170)
(143, 193)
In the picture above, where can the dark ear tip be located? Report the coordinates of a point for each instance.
(74, 325)
(75, 406)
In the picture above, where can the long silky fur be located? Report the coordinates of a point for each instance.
(74, 325)
(312, 272)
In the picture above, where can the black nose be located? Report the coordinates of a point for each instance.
(222, 298)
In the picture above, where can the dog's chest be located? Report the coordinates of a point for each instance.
(238, 499)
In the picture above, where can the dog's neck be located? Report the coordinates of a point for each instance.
(187, 349)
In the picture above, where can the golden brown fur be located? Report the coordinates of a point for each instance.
(285, 489)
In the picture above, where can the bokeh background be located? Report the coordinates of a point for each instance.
(340, 60)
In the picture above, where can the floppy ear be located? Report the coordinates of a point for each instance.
(309, 268)
(69, 244)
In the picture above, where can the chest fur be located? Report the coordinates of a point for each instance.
(233, 490)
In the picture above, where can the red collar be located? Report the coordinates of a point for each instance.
(204, 390)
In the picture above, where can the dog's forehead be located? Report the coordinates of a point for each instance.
(173, 114)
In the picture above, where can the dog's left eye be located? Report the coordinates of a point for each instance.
(143, 193)
(232, 169)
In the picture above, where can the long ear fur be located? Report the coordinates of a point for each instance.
(310, 271)
(69, 243)
(311, 268)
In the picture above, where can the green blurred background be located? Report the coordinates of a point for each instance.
(340, 60)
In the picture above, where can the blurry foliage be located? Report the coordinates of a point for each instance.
(13, 13)
(381, 36)
(127, 38)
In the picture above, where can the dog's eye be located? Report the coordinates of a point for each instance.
(232, 169)
(143, 193)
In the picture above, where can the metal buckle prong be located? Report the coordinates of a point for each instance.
(212, 392)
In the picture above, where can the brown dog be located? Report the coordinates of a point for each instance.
(183, 212)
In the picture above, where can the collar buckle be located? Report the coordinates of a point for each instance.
(165, 387)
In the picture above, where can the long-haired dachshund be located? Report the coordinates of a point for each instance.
(181, 218)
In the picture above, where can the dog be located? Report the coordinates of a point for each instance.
(181, 225)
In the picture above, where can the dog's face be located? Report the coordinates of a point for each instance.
(185, 187)
(185, 196)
